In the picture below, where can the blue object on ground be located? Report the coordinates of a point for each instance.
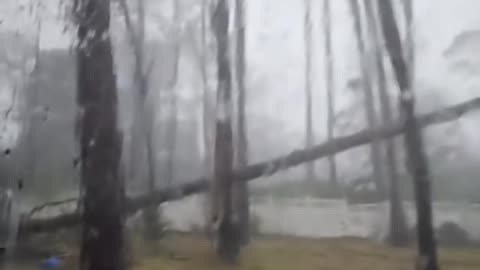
(51, 263)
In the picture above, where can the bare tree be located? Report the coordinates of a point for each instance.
(208, 126)
(416, 158)
(375, 153)
(103, 243)
(227, 234)
(207, 109)
(142, 127)
(309, 138)
(172, 98)
(398, 225)
(202, 53)
(241, 188)
(330, 89)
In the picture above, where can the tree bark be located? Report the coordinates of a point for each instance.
(103, 243)
(207, 113)
(151, 214)
(309, 137)
(242, 207)
(330, 91)
(398, 225)
(206, 104)
(416, 158)
(263, 169)
(372, 121)
(227, 244)
(173, 100)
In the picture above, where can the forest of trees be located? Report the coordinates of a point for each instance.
(108, 125)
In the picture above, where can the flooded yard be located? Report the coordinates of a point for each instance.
(317, 218)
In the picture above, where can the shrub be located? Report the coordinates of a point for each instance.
(452, 234)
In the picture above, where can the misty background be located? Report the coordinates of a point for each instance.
(446, 38)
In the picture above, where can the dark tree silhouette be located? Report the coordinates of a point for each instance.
(241, 188)
(227, 229)
(103, 223)
(416, 158)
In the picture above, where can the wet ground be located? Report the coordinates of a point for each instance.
(186, 252)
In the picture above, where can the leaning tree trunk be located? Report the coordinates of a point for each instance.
(309, 138)
(103, 240)
(242, 207)
(330, 91)
(369, 100)
(417, 160)
(261, 169)
(398, 225)
(227, 245)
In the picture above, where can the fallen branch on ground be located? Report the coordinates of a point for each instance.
(261, 169)
(50, 204)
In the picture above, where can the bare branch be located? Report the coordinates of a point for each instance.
(50, 204)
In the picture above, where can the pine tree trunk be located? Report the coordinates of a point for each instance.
(375, 153)
(173, 100)
(206, 104)
(398, 224)
(330, 92)
(309, 137)
(242, 206)
(228, 247)
(416, 158)
(152, 218)
(207, 119)
(103, 243)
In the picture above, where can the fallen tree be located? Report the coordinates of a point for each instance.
(260, 169)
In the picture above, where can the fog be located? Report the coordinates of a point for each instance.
(39, 131)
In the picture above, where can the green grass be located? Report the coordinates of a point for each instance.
(182, 252)
(194, 252)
